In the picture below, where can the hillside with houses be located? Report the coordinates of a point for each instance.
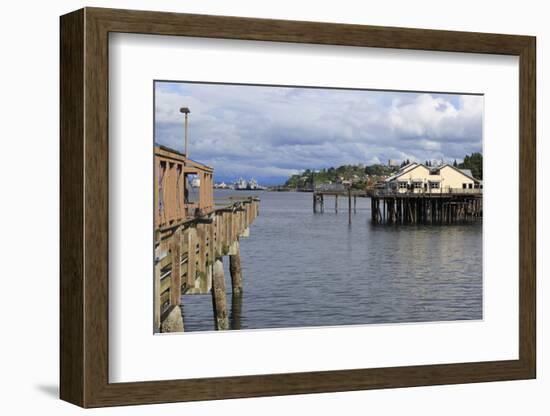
(362, 176)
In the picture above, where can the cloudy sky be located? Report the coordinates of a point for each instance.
(270, 133)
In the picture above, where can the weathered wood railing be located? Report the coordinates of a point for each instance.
(188, 259)
(172, 188)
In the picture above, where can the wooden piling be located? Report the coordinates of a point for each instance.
(235, 270)
(349, 205)
(219, 301)
(425, 208)
(236, 311)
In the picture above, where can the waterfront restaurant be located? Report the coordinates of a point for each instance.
(418, 178)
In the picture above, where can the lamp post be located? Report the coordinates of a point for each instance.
(186, 111)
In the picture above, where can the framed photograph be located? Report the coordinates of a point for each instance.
(255, 207)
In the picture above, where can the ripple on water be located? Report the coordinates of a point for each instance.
(302, 269)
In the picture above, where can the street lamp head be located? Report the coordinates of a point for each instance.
(185, 110)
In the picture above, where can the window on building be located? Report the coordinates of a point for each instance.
(470, 185)
(402, 185)
(417, 185)
(463, 186)
(434, 185)
(434, 171)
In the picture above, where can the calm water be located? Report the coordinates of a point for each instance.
(305, 269)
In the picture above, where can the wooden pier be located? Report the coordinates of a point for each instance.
(453, 206)
(192, 238)
(390, 207)
(344, 193)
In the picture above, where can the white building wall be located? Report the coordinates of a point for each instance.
(420, 178)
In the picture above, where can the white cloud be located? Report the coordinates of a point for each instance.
(271, 132)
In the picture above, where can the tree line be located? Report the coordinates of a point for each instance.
(360, 175)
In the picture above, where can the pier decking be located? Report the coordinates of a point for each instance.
(191, 239)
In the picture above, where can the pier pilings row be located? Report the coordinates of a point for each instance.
(189, 260)
(426, 208)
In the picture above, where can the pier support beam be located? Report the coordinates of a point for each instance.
(235, 269)
(236, 311)
(318, 202)
(175, 283)
(219, 300)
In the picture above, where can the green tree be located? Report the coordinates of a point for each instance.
(474, 162)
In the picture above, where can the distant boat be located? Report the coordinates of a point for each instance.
(221, 185)
(250, 185)
(240, 185)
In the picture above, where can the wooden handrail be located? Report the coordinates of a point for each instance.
(172, 187)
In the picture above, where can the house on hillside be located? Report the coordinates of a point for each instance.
(418, 178)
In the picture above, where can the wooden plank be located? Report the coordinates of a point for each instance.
(225, 231)
(156, 206)
(156, 297)
(168, 194)
(211, 242)
(164, 301)
(165, 283)
(201, 238)
(175, 277)
(191, 257)
(161, 184)
(233, 226)
(169, 154)
(219, 234)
